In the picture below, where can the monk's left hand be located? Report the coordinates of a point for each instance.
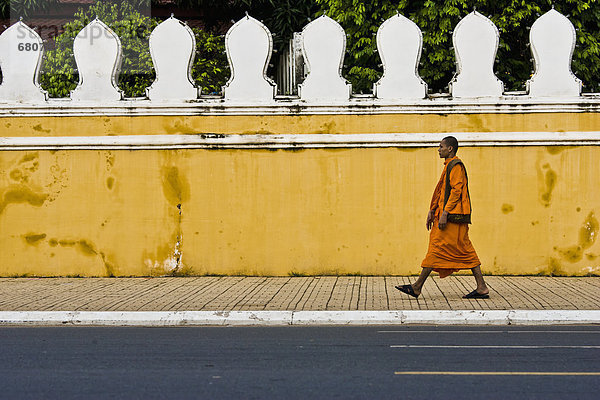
(443, 220)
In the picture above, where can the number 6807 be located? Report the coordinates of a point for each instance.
(28, 46)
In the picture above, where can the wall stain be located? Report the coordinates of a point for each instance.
(557, 149)
(548, 182)
(589, 231)
(110, 160)
(571, 254)
(176, 190)
(261, 131)
(18, 176)
(16, 194)
(29, 157)
(555, 267)
(27, 165)
(587, 237)
(34, 238)
(110, 181)
(175, 186)
(178, 126)
(86, 248)
(39, 128)
(507, 208)
(60, 176)
(328, 127)
(476, 123)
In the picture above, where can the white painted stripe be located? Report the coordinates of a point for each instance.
(297, 141)
(415, 346)
(211, 105)
(179, 318)
(534, 373)
(436, 331)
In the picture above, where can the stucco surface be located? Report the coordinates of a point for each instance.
(283, 212)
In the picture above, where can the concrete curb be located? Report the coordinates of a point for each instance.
(300, 318)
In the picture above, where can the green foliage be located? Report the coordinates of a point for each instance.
(282, 17)
(437, 19)
(59, 75)
(211, 69)
(23, 8)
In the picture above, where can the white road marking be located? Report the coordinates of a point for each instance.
(418, 346)
(496, 373)
(488, 331)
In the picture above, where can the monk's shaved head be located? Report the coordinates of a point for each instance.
(451, 141)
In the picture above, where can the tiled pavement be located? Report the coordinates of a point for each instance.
(293, 293)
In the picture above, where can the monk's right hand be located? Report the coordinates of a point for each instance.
(430, 218)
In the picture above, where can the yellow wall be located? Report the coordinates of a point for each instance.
(297, 124)
(313, 211)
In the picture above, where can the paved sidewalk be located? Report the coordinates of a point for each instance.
(344, 293)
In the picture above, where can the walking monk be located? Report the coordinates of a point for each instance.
(449, 217)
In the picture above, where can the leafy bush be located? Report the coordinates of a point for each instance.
(59, 75)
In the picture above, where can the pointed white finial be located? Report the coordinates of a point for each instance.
(323, 46)
(552, 39)
(399, 42)
(97, 51)
(249, 45)
(172, 47)
(21, 50)
(475, 40)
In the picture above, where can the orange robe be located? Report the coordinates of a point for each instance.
(450, 249)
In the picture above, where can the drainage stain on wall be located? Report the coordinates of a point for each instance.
(587, 237)
(33, 238)
(23, 190)
(176, 190)
(507, 208)
(547, 177)
(16, 194)
(175, 185)
(85, 247)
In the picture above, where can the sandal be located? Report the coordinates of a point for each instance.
(408, 289)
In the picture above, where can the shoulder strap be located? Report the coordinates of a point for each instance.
(448, 188)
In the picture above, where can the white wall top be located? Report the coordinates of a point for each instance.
(399, 42)
(323, 47)
(97, 51)
(249, 45)
(475, 42)
(21, 50)
(172, 47)
(552, 38)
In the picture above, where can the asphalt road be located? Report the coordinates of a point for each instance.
(414, 362)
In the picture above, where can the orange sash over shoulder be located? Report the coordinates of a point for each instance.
(450, 249)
